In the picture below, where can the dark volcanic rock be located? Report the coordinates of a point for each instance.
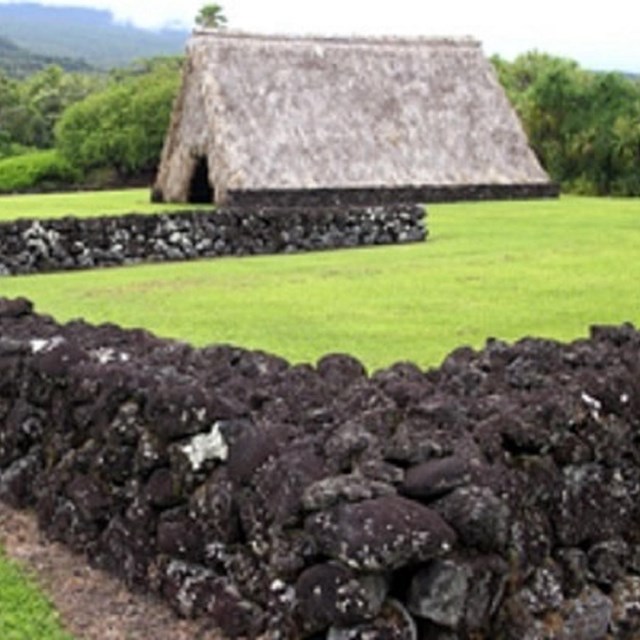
(331, 594)
(381, 534)
(32, 246)
(392, 623)
(480, 518)
(436, 477)
(495, 497)
(439, 592)
(15, 308)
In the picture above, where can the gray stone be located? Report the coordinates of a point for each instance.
(439, 592)
(607, 561)
(587, 617)
(381, 471)
(480, 518)
(16, 480)
(574, 565)
(544, 591)
(393, 623)
(594, 505)
(625, 614)
(487, 585)
(331, 594)
(344, 488)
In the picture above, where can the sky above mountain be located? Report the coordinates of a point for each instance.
(598, 36)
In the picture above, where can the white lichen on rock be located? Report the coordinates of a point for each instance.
(105, 355)
(206, 446)
(39, 345)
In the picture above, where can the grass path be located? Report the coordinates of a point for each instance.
(507, 269)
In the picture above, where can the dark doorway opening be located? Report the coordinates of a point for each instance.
(200, 191)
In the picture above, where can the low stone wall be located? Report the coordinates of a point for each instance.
(495, 497)
(363, 197)
(33, 246)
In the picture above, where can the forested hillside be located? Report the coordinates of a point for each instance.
(87, 34)
(19, 62)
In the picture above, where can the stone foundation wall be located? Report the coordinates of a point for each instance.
(493, 498)
(363, 197)
(33, 246)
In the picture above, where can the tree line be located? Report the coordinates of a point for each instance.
(58, 127)
(583, 126)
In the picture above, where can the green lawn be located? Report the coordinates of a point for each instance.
(82, 203)
(24, 612)
(506, 269)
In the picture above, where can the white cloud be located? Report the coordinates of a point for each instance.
(598, 36)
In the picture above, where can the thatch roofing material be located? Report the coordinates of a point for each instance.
(303, 113)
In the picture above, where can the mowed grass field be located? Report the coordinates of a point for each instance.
(501, 269)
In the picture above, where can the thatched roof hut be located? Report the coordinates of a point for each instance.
(308, 120)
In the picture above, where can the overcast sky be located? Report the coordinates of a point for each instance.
(600, 35)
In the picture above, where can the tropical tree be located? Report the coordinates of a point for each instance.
(30, 108)
(211, 16)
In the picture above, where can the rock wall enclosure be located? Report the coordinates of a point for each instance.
(32, 246)
(495, 497)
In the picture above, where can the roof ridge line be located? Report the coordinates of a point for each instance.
(225, 34)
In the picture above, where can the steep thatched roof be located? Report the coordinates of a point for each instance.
(307, 114)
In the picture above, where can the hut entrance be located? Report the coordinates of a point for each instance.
(200, 191)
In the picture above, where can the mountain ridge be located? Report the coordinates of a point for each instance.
(19, 62)
(88, 34)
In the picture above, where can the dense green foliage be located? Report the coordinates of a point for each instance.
(47, 169)
(30, 108)
(24, 613)
(124, 125)
(584, 126)
(115, 123)
(89, 34)
(505, 269)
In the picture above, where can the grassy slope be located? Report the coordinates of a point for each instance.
(547, 268)
(24, 613)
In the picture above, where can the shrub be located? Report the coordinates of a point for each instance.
(122, 127)
(11, 149)
(40, 170)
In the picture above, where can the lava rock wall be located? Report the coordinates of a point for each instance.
(364, 197)
(495, 497)
(33, 246)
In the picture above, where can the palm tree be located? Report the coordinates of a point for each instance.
(211, 16)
